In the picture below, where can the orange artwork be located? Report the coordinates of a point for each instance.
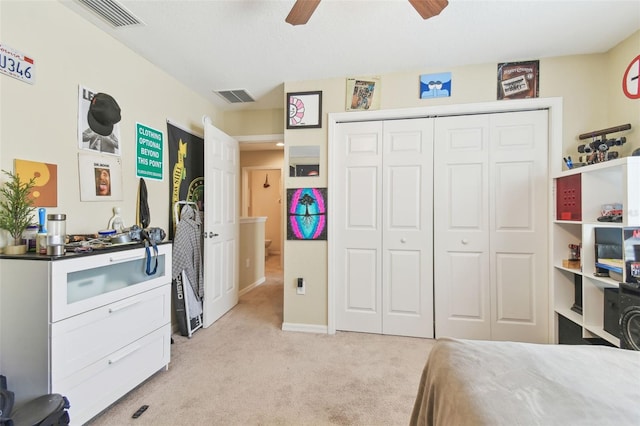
(45, 191)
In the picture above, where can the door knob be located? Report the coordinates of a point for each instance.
(211, 235)
(465, 241)
(403, 240)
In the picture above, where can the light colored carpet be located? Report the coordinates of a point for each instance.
(244, 370)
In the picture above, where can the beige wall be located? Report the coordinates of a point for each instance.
(251, 161)
(589, 103)
(620, 109)
(39, 122)
(267, 202)
(257, 122)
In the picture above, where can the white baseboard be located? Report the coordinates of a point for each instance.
(251, 286)
(306, 328)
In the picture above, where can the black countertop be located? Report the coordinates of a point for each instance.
(72, 254)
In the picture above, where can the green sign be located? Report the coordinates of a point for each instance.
(149, 152)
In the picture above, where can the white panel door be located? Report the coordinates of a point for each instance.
(519, 233)
(407, 238)
(383, 244)
(461, 227)
(221, 226)
(491, 227)
(358, 239)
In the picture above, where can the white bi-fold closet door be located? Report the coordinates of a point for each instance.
(384, 227)
(491, 226)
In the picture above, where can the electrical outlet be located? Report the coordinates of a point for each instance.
(300, 288)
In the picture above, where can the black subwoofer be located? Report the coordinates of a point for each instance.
(629, 299)
(612, 311)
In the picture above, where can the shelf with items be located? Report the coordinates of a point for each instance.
(608, 183)
(588, 204)
(567, 294)
(567, 235)
(593, 308)
(614, 254)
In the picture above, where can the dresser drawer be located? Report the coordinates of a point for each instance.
(100, 384)
(85, 283)
(82, 340)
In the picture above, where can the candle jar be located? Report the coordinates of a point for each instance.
(29, 237)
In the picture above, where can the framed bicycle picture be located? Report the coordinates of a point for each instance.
(305, 110)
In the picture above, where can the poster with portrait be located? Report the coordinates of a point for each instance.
(90, 139)
(100, 177)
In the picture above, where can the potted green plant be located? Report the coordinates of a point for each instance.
(16, 210)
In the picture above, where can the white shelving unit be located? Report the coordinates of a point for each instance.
(616, 181)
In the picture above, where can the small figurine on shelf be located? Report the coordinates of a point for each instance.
(116, 221)
(574, 257)
(575, 251)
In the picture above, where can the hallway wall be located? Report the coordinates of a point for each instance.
(267, 202)
(261, 160)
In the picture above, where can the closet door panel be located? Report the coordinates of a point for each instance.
(467, 300)
(361, 198)
(461, 227)
(407, 237)
(519, 228)
(515, 302)
(465, 202)
(358, 225)
(513, 196)
(361, 272)
(404, 299)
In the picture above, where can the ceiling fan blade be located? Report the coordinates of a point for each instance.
(429, 8)
(301, 11)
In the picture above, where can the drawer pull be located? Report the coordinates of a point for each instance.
(123, 258)
(124, 354)
(122, 306)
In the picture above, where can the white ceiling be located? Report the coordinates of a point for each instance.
(213, 45)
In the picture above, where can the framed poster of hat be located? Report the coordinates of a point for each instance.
(305, 110)
(98, 118)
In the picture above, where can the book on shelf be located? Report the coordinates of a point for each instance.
(615, 265)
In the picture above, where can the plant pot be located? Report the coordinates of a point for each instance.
(21, 249)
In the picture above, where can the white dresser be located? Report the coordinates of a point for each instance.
(90, 327)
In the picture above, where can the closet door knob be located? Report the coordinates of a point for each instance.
(465, 241)
(403, 240)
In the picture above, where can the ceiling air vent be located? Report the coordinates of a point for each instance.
(236, 96)
(112, 12)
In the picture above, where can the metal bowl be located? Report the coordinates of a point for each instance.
(120, 238)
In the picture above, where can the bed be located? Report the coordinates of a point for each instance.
(473, 382)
